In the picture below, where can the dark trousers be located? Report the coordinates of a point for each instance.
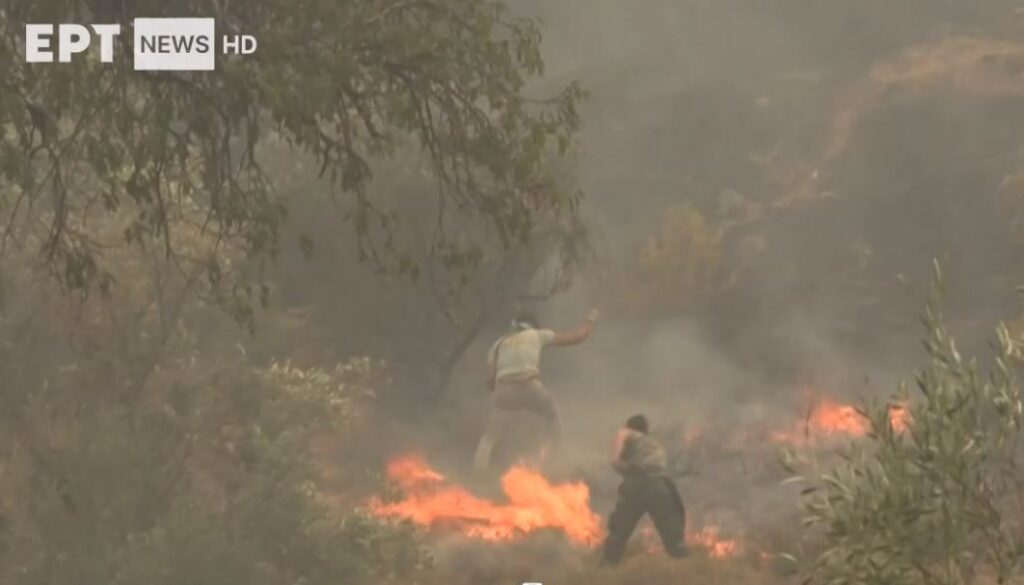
(656, 496)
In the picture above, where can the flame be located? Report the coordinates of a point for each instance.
(409, 471)
(717, 547)
(828, 419)
(707, 538)
(534, 504)
(899, 417)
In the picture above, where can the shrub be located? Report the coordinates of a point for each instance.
(939, 503)
(210, 480)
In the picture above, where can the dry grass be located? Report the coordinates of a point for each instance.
(661, 570)
(641, 570)
(546, 559)
(982, 68)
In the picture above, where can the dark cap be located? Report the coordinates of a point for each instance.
(525, 319)
(638, 422)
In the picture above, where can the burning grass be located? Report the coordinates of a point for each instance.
(541, 530)
(827, 419)
(717, 546)
(534, 504)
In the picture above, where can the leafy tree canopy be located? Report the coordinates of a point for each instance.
(343, 81)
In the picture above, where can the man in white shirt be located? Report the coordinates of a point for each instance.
(515, 378)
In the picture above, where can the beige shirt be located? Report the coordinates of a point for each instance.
(518, 354)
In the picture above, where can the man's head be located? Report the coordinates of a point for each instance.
(525, 321)
(638, 423)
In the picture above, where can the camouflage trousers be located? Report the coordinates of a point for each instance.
(508, 400)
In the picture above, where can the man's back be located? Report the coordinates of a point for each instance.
(517, 355)
(514, 379)
(640, 456)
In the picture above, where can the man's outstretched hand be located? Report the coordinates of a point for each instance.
(580, 334)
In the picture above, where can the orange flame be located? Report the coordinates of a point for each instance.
(707, 538)
(829, 419)
(899, 417)
(832, 419)
(717, 547)
(410, 471)
(534, 504)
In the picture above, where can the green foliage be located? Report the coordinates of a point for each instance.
(338, 395)
(682, 260)
(208, 480)
(344, 82)
(940, 502)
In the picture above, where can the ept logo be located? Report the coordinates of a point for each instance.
(74, 38)
(168, 44)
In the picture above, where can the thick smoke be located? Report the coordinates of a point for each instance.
(857, 183)
(854, 161)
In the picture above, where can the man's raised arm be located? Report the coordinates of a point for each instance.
(579, 334)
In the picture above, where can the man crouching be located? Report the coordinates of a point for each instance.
(645, 489)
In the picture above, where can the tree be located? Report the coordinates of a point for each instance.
(148, 440)
(424, 327)
(346, 82)
(679, 265)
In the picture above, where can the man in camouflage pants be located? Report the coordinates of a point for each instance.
(645, 489)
